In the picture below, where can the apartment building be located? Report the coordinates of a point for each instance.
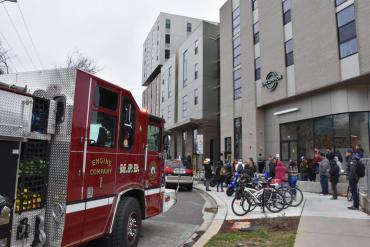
(165, 37)
(190, 95)
(295, 75)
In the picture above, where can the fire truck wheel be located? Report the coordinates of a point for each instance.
(127, 225)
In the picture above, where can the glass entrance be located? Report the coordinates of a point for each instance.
(289, 150)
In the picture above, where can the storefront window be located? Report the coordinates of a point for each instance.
(335, 132)
(341, 133)
(305, 138)
(289, 132)
(359, 123)
(324, 133)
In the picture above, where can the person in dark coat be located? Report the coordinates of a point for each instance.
(220, 175)
(272, 165)
(353, 178)
(207, 172)
(334, 175)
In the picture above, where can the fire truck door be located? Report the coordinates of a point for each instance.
(153, 169)
(9, 153)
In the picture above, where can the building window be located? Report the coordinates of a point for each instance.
(169, 82)
(254, 4)
(287, 13)
(185, 106)
(188, 27)
(335, 132)
(183, 149)
(347, 37)
(162, 80)
(168, 23)
(185, 68)
(256, 32)
(339, 2)
(196, 96)
(228, 149)
(169, 113)
(238, 144)
(162, 96)
(237, 84)
(236, 21)
(168, 39)
(257, 72)
(196, 73)
(195, 143)
(196, 47)
(289, 58)
(166, 54)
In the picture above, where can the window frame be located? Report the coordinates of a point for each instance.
(290, 54)
(185, 106)
(127, 100)
(348, 40)
(238, 146)
(167, 38)
(184, 68)
(257, 70)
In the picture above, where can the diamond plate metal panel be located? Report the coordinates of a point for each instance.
(15, 115)
(48, 84)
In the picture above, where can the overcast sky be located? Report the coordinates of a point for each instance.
(110, 31)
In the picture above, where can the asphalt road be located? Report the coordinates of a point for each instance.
(178, 224)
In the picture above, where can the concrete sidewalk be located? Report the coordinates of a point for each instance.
(329, 223)
(324, 222)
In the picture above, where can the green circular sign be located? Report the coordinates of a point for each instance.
(272, 81)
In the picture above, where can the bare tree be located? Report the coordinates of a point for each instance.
(79, 61)
(4, 67)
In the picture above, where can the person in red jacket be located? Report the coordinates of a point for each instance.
(281, 171)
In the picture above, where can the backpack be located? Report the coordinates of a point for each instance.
(360, 169)
(223, 172)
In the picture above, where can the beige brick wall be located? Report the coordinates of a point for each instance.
(226, 80)
(363, 32)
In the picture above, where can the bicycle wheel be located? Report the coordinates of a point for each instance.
(288, 196)
(238, 207)
(274, 201)
(349, 194)
(297, 197)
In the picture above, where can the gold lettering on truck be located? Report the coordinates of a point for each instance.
(101, 171)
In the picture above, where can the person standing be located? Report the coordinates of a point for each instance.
(311, 170)
(317, 158)
(249, 168)
(280, 171)
(272, 166)
(207, 172)
(304, 169)
(266, 168)
(292, 175)
(324, 168)
(359, 152)
(353, 178)
(220, 176)
(334, 175)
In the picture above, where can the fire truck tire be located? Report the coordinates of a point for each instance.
(127, 226)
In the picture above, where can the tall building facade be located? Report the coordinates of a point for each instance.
(295, 75)
(164, 39)
(190, 96)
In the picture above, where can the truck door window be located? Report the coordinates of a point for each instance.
(105, 98)
(102, 130)
(154, 138)
(127, 124)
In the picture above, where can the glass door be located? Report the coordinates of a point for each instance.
(289, 150)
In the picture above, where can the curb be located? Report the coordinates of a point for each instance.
(217, 221)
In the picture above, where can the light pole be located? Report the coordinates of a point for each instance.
(14, 1)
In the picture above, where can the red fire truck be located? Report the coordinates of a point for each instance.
(79, 161)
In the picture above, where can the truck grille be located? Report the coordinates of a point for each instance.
(33, 165)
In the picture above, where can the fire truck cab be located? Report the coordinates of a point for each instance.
(79, 161)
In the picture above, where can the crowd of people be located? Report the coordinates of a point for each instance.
(327, 166)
